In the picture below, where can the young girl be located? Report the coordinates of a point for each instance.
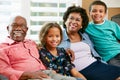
(53, 57)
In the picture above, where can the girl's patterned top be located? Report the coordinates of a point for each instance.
(61, 63)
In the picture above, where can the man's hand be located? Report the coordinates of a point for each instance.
(71, 54)
(34, 75)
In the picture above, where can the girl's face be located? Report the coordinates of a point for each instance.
(97, 13)
(73, 22)
(53, 38)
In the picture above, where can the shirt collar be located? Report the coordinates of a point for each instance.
(9, 41)
(99, 23)
(65, 36)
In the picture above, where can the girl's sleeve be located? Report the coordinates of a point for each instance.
(44, 58)
(67, 61)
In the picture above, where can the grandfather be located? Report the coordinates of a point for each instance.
(19, 58)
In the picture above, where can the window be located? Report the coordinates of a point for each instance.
(37, 12)
(8, 8)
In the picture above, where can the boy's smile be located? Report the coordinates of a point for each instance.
(97, 13)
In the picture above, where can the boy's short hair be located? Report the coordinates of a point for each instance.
(98, 3)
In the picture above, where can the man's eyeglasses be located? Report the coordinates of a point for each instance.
(20, 26)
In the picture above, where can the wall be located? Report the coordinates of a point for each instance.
(112, 12)
(85, 5)
(113, 7)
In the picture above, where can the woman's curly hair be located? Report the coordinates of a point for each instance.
(81, 11)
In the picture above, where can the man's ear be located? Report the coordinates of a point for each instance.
(27, 29)
(8, 28)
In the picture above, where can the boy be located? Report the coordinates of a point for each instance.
(104, 33)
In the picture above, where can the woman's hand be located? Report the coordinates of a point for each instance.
(71, 54)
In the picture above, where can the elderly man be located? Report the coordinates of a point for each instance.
(19, 58)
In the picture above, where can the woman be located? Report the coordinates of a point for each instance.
(87, 61)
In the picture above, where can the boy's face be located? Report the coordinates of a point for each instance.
(97, 13)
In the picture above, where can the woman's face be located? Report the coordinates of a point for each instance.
(73, 22)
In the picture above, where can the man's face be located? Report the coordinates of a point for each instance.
(18, 29)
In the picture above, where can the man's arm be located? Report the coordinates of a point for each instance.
(6, 69)
(33, 75)
(12, 74)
